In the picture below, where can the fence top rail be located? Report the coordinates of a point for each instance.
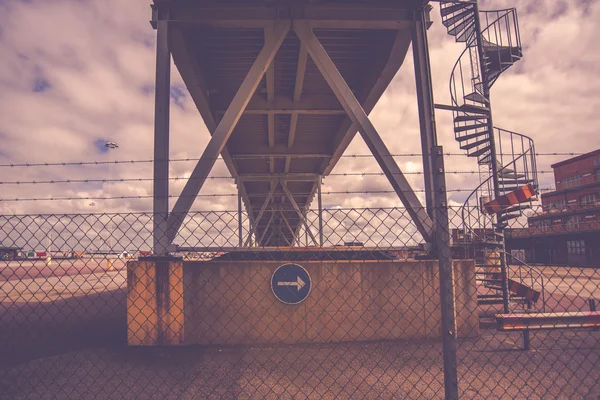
(267, 249)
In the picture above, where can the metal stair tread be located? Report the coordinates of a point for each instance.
(459, 28)
(507, 217)
(466, 34)
(457, 17)
(465, 118)
(509, 189)
(455, 7)
(514, 181)
(475, 109)
(479, 152)
(476, 97)
(469, 146)
(518, 207)
(471, 136)
(469, 127)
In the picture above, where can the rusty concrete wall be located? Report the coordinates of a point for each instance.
(231, 302)
(155, 308)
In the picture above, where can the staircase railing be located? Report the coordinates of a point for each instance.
(501, 35)
(521, 153)
(527, 274)
(502, 42)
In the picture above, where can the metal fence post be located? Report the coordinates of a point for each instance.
(446, 269)
(320, 201)
(240, 222)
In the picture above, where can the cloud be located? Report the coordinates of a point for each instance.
(76, 74)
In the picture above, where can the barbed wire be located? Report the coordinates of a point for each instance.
(339, 192)
(237, 157)
(178, 178)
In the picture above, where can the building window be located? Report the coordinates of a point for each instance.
(557, 205)
(576, 247)
(597, 161)
(542, 224)
(588, 200)
(571, 181)
(574, 221)
(597, 174)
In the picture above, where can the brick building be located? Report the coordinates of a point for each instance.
(567, 231)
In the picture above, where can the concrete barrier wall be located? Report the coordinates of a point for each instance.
(231, 302)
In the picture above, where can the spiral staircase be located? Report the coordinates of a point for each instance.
(506, 159)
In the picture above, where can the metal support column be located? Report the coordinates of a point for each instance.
(240, 222)
(493, 158)
(446, 268)
(320, 202)
(161, 133)
(504, 271)
(425, 101)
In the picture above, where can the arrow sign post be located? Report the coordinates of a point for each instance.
(291, 283)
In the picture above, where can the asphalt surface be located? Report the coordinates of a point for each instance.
(32, 269)
(71, 343)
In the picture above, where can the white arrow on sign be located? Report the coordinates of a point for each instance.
(299, 283)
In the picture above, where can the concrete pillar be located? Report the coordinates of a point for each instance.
(155, 307)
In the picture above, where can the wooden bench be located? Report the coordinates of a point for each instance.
(537, 321)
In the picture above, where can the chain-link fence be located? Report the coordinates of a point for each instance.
(342, 304)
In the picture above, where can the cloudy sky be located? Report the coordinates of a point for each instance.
(77, 73)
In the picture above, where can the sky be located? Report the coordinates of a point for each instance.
(77, 73)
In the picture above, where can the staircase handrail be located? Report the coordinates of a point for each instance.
(469, 198)
(470, 43)
(532, 270)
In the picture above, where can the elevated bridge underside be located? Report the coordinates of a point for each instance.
(286, 128)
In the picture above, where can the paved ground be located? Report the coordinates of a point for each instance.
(32, 269)
(66, 339)
(565, 366)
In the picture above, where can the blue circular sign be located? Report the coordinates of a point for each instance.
(290, 283)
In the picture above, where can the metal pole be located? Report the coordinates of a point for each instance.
(425, 101)
(446, 269)
(526, 338)
(161, 133)
(504, 271)
(240, 226)
(493, 157)
(320, 201)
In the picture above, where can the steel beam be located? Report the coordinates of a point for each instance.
(267, 227)
(369, 133)
(425, 102)
(270, 78)
(282, 104)
(375, 85)
(288, 226)
(300, 176)
(161, 134)
(298, 211)
(225, 128)
(192, 75)
(260, 214)
(352, 17)
(298, 85)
